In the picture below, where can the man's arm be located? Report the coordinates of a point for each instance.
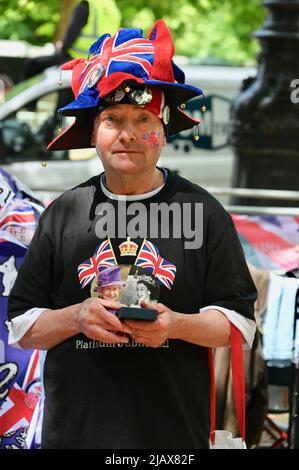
(51, 328)
(91, 317)
(210, 328)
(78, 21)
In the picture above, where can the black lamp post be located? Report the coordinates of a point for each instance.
(265, 116)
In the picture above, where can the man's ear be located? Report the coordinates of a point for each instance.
(164, 142)
(95, 127)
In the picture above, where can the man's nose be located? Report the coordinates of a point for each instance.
(127, 133)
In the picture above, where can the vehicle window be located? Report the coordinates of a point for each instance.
(19, 87)
(26, 133)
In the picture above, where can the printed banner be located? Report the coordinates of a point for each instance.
(20, 378)
(269, 242)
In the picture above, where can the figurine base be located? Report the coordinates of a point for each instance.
(137, 313)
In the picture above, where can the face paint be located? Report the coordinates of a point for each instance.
(153, 138)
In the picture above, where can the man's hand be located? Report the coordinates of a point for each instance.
(96, 322)
(155, 333)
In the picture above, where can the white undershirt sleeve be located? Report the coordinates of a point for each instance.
(18, 326)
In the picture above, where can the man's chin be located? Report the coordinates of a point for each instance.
(127, 166)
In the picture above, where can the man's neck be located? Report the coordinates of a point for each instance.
(132, 184)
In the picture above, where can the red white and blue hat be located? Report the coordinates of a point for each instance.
(127, 68)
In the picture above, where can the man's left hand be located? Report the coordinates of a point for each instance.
(154, 333)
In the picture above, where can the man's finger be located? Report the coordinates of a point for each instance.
(107, 326)
(114, 304)
(113, 320)
(146, 304)
(139, 325)
(98, 333)
(102, 314)
(159, 307)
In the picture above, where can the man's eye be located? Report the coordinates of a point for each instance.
(144, 118)
(110, 118)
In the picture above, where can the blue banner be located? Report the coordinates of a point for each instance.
(20, 378)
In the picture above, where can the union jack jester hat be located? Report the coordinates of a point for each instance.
(126, 68)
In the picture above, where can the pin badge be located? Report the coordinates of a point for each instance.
(141, 97)
(96, 76)
(166, 114)
(118, 96)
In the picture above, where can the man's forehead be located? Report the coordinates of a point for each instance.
(125, 110)
(124, 107)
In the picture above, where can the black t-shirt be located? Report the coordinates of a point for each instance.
(131, 396)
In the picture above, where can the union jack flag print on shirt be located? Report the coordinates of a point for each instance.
(103, 258)
(150, 259)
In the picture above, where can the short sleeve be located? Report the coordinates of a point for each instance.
(33, 284)
(228, 281)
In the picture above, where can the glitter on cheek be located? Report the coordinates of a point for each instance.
(153, 138)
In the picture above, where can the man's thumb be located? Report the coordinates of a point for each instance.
(145, 303)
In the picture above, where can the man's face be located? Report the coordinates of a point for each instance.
(128, 138)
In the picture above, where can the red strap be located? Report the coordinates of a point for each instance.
(238, 376)
(238, 380)
(212, 395)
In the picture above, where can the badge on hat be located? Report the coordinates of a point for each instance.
(166, 114)
(96, 75)
(141, 97)
(116, 97)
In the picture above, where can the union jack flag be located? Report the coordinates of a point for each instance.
(150, 259)
(18, 213)
(127, 54)
(18, 219)
(103, 258)
(33, 371)
(17, 410)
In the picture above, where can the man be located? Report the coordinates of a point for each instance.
(88, 19)
(130, 384)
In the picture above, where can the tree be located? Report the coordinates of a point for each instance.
(201, 28)
(34, 21)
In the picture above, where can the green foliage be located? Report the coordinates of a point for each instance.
(210, 30)
(29, 20)
(203, 29)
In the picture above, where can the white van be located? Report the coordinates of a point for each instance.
(28, 121)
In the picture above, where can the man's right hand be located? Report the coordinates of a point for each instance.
(91, 317)
(96, 322)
